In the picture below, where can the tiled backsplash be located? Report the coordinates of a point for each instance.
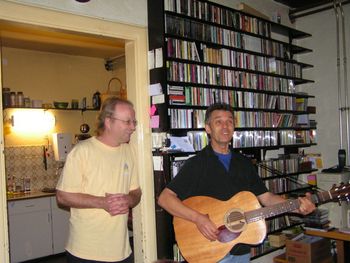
(28, 162)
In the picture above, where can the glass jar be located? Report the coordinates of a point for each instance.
(20, 99)
(6, 97)
(13, 99)
(27, 102)
(26, 184)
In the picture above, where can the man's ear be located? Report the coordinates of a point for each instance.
(108, 123)
(207, 128)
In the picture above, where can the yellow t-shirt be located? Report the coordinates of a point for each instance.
(95, 168)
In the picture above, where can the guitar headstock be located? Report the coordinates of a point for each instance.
(340, 193)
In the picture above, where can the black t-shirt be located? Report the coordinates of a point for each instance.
(205, 175)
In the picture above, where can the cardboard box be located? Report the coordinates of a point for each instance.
(280, 259)
(308, 249)
(277, 240)
(250, 10)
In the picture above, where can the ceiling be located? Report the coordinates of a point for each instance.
(18, 35)
(300, 8)
(303, 3)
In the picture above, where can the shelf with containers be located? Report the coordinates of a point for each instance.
(53, 108)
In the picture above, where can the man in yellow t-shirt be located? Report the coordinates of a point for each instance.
(99, 183)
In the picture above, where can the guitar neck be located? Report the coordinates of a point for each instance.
(281, 208)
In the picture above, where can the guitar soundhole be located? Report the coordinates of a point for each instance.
(226, 235)
(235, 220)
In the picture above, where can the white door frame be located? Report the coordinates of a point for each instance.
(136, 49)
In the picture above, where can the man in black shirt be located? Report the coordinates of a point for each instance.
(218, 172)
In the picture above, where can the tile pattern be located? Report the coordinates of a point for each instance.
(28, 162)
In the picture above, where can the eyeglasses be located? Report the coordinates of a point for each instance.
(128, 122)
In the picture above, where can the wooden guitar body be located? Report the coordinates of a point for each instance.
(240, 219)
(196, 248)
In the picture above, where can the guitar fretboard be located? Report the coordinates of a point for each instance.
(281, 208)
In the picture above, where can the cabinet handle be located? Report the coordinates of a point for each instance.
(30, 205)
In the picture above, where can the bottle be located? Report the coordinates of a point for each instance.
(6, 97)
(96, 100)
(20, 99)
(10, 181)
(83, 103)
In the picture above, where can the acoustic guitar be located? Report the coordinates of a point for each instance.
(240, 219)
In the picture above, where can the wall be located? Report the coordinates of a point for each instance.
(322, 26)
(28, 162)
(134, 11)
(55, 77)
(131, 12)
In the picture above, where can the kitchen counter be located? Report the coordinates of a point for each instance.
(29, 195)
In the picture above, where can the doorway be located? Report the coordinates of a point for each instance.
(71, 33)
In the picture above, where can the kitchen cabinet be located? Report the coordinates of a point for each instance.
(30, 229)
(60, 226)
(38, 228)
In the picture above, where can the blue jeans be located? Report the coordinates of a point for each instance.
(236, 258)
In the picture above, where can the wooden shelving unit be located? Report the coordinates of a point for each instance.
(214, 53)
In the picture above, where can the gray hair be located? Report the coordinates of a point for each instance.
(107, 110)
(217, 106)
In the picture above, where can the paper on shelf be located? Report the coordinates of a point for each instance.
(159, 58)
(157, 163)
(152, 110)
(158, 99)
(155, 89)
(180, 144)
(155, 121)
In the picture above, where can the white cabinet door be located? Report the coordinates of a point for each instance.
(30, 229)
(60, 227)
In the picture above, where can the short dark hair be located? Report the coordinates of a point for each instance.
(217, 106)
(107, 110)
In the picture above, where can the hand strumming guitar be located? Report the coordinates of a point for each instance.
(207, 227)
